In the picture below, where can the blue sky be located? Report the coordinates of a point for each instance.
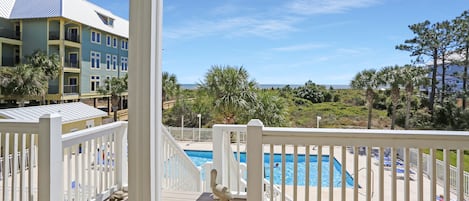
(289, 41)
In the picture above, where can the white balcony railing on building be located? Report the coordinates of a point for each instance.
(353, 149)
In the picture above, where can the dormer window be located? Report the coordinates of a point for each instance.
(106, 19)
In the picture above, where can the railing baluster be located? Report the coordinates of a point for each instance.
(271, 172)
(76, 171)
(295, 172)
(368, 174)
(283, 172)
(344, 173)
(87, 169)
(32, 166)
(23, 167)
(14, 172)
(106, 161)
(98, 164)
(238, 151)
(355, 173)
(446, 177)
(331, 172)
(307, 162)
(68, 182)
(433, 177)
(419, 175)
(406, 174)
(393, 174)
(112, 158)
(6, 166)
(381, 173)
(319, 179)
(460, 175)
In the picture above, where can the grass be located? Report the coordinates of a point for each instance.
(335, 115)
(452, 158)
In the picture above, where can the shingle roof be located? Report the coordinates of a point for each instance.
(70, 112)
(80, 11)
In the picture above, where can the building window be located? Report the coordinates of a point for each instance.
(124, 65)
(124, 44)
(108, 62)
(114, 42)
(95, 37)
(108, 40)
(95, 59)
(94, 82)
(106, 19)
(114, 62)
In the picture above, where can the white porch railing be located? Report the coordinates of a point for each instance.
(374, 182)
(180, 174)
(18, 174)
(229, 164)
(95, 162)
(84, 165)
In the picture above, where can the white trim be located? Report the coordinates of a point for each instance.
(145, 152)
(95, 60)
(115, 42)
(96, 35)
(124, 64)
(95, 81)
(108, 40)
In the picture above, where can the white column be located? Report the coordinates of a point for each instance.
(121, 155)
(145, 112)
(255, 160)
(50, 180)
(217, 142)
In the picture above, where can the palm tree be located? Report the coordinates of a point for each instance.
(392, 77)
(21, 81)
(231, 90)
(367, 80)
(170, 86)
(269, 108)
(49, 64)
(30, 79)
(114, 87)
(412, 77)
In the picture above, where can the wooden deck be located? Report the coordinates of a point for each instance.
(189, 196)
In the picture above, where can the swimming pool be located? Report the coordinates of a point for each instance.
(201, 157)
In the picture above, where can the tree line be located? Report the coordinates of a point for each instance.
(443, 43)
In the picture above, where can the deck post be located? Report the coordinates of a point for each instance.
(145, 102)
(121, 162)
(218, 143)
(50, 166)
(255, 160)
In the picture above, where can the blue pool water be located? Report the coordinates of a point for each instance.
(201, 157)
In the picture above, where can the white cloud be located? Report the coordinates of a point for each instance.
(300, 47)
(233, 27)
(309, 7)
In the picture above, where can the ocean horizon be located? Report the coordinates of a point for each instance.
(276, 86)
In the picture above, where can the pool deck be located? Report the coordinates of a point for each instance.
(207, 146)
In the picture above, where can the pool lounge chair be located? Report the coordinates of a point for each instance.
(400, 173)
